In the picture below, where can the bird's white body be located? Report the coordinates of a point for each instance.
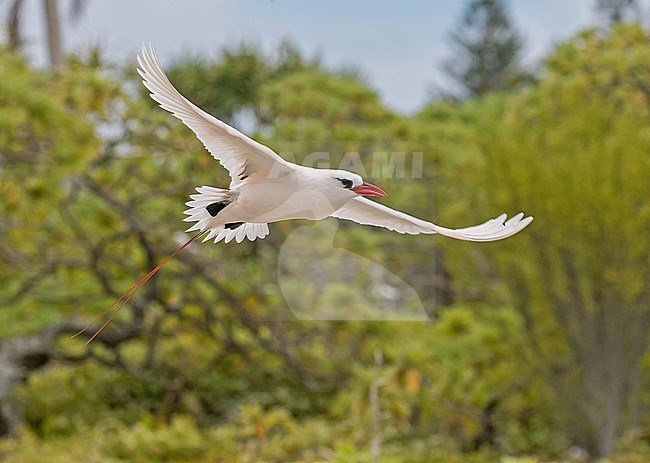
(301, 194)
(266, 188)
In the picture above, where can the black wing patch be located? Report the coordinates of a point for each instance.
(233, 225)
(214, 208)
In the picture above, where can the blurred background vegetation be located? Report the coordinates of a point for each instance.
(537, 348)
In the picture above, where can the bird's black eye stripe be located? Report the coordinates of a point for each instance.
(345, 182)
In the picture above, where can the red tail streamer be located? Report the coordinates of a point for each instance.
(129, 293)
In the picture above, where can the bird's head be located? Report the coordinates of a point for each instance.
(353, 182)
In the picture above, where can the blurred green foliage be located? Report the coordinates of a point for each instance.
(575, 151)
(534, 342)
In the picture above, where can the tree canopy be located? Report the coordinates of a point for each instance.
(574, 151)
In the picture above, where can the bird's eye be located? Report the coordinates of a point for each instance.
(345, 182)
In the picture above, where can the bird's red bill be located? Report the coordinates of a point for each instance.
(368, 189)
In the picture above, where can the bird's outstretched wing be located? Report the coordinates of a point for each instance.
(367, 212)
(242, 156)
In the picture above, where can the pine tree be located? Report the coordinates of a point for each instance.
(486, 51)
(615, 11)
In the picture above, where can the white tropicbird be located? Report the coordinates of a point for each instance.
(265, 188)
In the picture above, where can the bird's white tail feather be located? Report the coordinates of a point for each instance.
(198, 213)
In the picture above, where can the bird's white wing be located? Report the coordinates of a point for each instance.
(242, 156)
(367, 212)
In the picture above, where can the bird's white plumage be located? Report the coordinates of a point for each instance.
(266, 188)
(367, 212)
(198, 213)
(251, 231)
(238, 153)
